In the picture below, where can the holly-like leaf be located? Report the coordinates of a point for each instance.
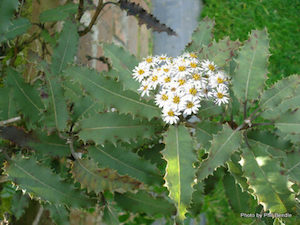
(205, 131)
(202, 36)
(220, 52)
(180, 173)
(19, 203)
(26, 97)
(110, 93)
(7, 9)
(292, 164)
(66, 50)
(58, 13)
(144, 17)
(40, 181)
(145, 203)
(7, 103)
(223, 145)
(239, 201)
(209, 109)
(59, 214)
(197, 200)
(267, 179)
(57, 113)
(90, 176)
(17, 27)
(125, 162)
(123, 63)
(252, 61)
(113, 127)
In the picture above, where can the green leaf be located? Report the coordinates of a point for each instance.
(180, 173)
(113, 127)
(19, 203)
(59, 13)
(17, 27)
(209, 109)
(267, 179)
(145, 203)
(252, 61)
(26, 97)
(197, 200)
(40, 181)
(110, 216)
(289, 122)
(66, 50)
(57, 112)
(110, 93)
(125, 162)
(7, 104)
(7, 9)
(204, 133)
(220, 52)
(45, 144)
(202, 36)
(239, 201)
(292, 164)
(223, 145)
(90, 176)
(123, 63)
(59, 214)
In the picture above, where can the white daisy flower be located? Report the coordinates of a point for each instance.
(150, 61)
(221, 95)
(141, 71)
(220, 78)
(181, 67)
(162, 99)
(153, 80)
(145, 88)
(170, 115)
(209, 66)
(191, 105)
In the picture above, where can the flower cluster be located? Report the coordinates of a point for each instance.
(180, 83)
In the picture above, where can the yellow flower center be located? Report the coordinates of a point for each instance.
(141, 72)
(211, 67)
(193, 55)
(154, 78)
(173, 89)
(220, 80)
(164, 97)
(181, 68)
(176, 99)
(193, 91)
(181, 82)
(193, 65)
(166, 70)
(190, 105)
(149, 60)
(196, 76)
(145, 87)
(162, 58)
(171, 113)
(220, 95)
(167, 79)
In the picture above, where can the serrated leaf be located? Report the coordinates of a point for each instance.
(123, 63)
(113, 127)
(26, 96)
(268, 181)
(57, 113)
(125, 162)
(96, 179)
(204, 132)
(66, 50)
(239, 201)
(7, 104)
(202, 36)
(292, 164)
(220, 52)
(197, 199)
(17, 27)
(289, 122)
(58, 13)
(223, 145)
(59, 214)
(19, 203)
(145, 203)
(40, 181)
(252, 61)
(110, 93)
(180, 173)
(7, 9)
(209, 109)
(110, 216)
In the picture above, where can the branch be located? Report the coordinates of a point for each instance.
(101, 59)
(80, 10)
(12, 120)
(71, 144)
(94, 19)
